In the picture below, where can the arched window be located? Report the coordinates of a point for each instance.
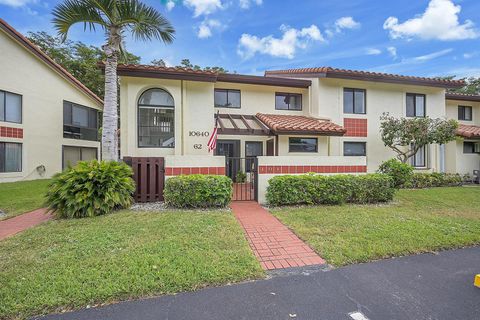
(156, 116)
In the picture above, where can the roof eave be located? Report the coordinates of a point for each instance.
(474, 98)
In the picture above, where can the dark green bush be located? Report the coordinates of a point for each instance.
(335, 189)
(400, 172)
(91, 189)
(198, 191)
(435, 179)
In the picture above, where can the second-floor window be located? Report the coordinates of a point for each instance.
(227, 98)
(10, 107)
(465, 113)
(80, 122)
(415, 105)
(354, 101)
(288, 101)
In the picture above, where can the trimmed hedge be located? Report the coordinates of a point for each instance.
(91, 189)
(435, 179)
(198, 191)
(400, 172)
(335, 189)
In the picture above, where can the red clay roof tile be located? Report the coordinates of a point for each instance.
(462, 96)
(468, 131)
(300, 124)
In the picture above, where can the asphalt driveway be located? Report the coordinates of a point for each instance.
(427, 286)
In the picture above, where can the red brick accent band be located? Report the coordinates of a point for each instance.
(196, 170)
(355, 127)
(306, 169)
(11, 132)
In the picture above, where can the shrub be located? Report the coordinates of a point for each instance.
(435, 179)
(198, 191)
(91, 189)
(400, 172)
(335, 189)
(241, 177)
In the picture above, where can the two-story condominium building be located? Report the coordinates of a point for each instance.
(48, 119)
(290, 121)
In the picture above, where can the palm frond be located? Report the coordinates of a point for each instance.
(71, 12)
(145, 22)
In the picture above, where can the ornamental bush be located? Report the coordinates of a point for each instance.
(435, 179)
(400, 172)
(91, 189)
(335, 189)
(198, 191)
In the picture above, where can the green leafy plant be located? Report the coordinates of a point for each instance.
(90, 189)
(241, 177)
(400, 172)
(198, 191)
(336, 189)
(435, 179)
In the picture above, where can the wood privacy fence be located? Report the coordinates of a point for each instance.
(149, 176)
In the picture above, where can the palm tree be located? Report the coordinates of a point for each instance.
(114, 17)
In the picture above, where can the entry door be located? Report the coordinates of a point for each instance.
(270, 147)
(231, 150)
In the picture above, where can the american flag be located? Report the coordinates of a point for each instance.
(212, 142)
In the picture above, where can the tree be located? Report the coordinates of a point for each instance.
(185, 63)
(472, 86)
(406, 136)
(115, 17)
(158, 63)
(78, 58)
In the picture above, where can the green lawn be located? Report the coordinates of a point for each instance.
(73, 263)
(21, 197)
(417, 221)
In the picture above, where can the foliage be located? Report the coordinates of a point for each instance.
(336, 189)
(185, 63)
(435, 179)
(472, 86)
(78, 58)
(406, 136)
(198, 191)
(241, 177)
(416, 221)
(158, 63)
(68, 264)
(91, 189)
(22, 196)
(400, 172)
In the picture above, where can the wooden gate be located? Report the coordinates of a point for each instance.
(149, 176)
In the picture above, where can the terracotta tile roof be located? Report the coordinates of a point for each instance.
(165, 69)
(330, 72)
(300, 124)
(468, 131)
(462, 96)
(45, 58)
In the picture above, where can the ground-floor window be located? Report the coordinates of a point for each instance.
(10, 157)
(419, 160)
(354, 148)
(72, 155)
(302, 144)
(471, 147)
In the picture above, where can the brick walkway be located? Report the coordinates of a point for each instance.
(22, 222)
(274, 245)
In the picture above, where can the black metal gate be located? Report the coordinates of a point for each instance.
(244, 173)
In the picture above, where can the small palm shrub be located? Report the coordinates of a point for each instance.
(91, 189)
(400, 172)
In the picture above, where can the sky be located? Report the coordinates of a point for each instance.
(411, 37)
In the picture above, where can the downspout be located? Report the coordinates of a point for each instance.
(182, 120)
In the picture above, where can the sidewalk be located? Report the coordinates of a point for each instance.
(22, 222)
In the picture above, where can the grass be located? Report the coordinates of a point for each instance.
(20, 197)
(65, 264)
(417, 221)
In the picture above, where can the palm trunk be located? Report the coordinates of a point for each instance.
(110, 110)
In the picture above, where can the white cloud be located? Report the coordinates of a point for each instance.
(203, 7)
(392, 51)
(346, 23)
(469, 55)
(245, 4)
(432, 55)
(439, 21)
(284, 47)
(170, 5)
(206, 27)
(373, 51)
(15, 3)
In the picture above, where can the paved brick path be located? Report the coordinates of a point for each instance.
(22, 222)
(274, 245)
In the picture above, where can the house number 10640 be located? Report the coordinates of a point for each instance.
(198, 133)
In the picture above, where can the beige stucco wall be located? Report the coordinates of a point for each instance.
(43, 91)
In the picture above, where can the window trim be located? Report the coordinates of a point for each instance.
(473, 147)
(157, 106)
(227, 91)
(464, 108)
(415, 104)
(80, 127)
(353, 100)
(5, 106)
(289, 94)
(21, 157)
(289, 145)
(425, 159)
(351, 155)
(72, 146)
